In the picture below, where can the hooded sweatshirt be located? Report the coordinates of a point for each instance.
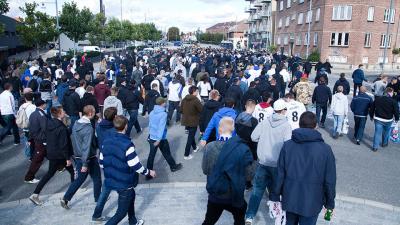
(214, 122)
(209, 109)
(113, 101)
(175, 91)
(270, 134)
(340, 104)
(83, 140)
(101, 91)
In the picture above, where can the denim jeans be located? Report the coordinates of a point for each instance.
(133, 121)
(264, 178)
(296, 219)
(126, 205)
(105, 192)
(382, 133)
(49, 104)
(337, 124)
(95, 174)
(359, 126)
(172, 106)
(324, 108)
(73, 120)
(165, 151)
(191, 142)
(10, 125)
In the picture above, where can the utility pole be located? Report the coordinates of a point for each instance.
(309, 29)
(387, 34)
(57, 25)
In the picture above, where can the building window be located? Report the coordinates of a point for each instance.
(386, 40)
(306, 39)
(380, 59)
(298, 39)
(280, 23)
(315, 39)
(281, 5)
(293, 16)
(300, 18)
(337, 59)
(286, 39)
(340, 39)
(309, 16)
(301, 1)
(389, 15)
(371, 11)
(287, 21)
(367, 40)
(342, 12)
(288, 3)
(365, 60)
(278, 40)
(317, 14)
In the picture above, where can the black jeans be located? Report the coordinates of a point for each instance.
(10, 125)
(355, 89)
(133, 121)
(359, 126)
(165, 151)
(171, 107)
(54, 166)
(191, 142)
(296, 219)
(126, 205)
(214, 211)
(324, 108)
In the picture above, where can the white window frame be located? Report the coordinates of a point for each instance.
(367, 40)
(300, 18)
(298, 39)
(278, 40)
(315, 39)
(309, 16)
(287, 23)
(392, 18)
(280, 23)
(317, 15)
(371, 12)
(387, 16)
(293, 16)
(342, 12)
(288, 4)
(286, 39)
(281, 5)
(306, 39)
(342, 42)
(383, 41)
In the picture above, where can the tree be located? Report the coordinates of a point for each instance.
(173, 34)
(75, 23)
(37, 28)
(113, 30)
(211, 38)
(4, 8)
(97, 34)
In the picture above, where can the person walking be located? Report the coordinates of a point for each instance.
(150, 99)
(294, 110)
(174, 99)
(130, 99)
(204, 86)
(59, 151)
(191, 108)
(72, 104)
(379, 86)
(46, 90)
(209, 109)
(226, 163)
(7, 110)
(121, 167)
(84, 145)
(384, 111)
(270, 134)
(101, 91)
(322, 97)
(342, 82)
(235, 92)
(306, 175)
(360, 106)
(113, 101)
(358, 78)
(264, 109)
(158, 136)
(37, 132)
(340, 108)
(303, 91)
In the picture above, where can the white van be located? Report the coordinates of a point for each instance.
(92, 49)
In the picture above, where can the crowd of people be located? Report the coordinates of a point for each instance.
(254, 112)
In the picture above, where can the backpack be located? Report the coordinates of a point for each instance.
(22, 120)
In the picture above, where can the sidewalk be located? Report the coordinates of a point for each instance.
(177, 204)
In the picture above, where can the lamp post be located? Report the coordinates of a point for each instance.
(309, 30)
(57, 25)
(387, 35)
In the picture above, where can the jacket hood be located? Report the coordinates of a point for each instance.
(342, 79)
(158, 109)
(54, 124)
(302, 135)
(190, 98)
(105, 124)
(69, 92)
(212, 104)
(226, 112)
(87, 95)
(152, 93)
(244, 118)
(339, 96)
(102, 86)
(82, 124)
(277, 119)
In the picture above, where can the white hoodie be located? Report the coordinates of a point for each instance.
(340, 104)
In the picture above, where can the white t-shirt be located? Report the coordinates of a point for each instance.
(253, 75)
(29, 108)
(262, 111)
(294, 111)
(204, 88)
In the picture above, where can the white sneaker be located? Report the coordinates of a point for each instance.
(35, 199)
(197, 149)
(34, 181)
(140, 222)
(249, 221)
(189, 157)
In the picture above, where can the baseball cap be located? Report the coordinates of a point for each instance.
(279, 104)
(160, 100)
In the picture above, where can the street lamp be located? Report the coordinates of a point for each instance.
(309, 29)
(57, 25)
(387, 35)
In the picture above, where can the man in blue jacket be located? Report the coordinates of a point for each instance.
(158, 136)
(358, 78)
(360, 107)
(306, 174)
(214, 122)
(121, 168)
(322, 97)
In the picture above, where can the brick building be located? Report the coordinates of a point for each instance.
(347, 32)
(236, 34)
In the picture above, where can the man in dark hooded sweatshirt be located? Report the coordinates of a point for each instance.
(210, 107)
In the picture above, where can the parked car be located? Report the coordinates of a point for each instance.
(178, 43)
(92, 49)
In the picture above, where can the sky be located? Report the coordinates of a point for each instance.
(188, 15)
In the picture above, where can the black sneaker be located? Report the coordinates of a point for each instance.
(64, 204)
(384, 145)
(357, 142)
(177, 167)
(374, 149)
(322, 125)
(100, 219)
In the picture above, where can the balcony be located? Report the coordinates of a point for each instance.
(247, 10)
(265, 1)
(265, 14)
(257, 17)
(258, 4)
(265, 36)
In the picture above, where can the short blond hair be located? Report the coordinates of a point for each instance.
(226, 125)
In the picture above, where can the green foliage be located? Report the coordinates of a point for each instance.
(173, 34)
(37, 28)
(4, 8)
(396, 51)
(272, 48)
(113, 30)
(97, 34)
(75, 23)
(210, 38)
(314, 56)
(126, 31)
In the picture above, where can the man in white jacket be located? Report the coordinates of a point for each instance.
(340, 108)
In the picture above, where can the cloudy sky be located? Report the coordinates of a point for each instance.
(188, 15)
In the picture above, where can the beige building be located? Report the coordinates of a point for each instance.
(236, 35)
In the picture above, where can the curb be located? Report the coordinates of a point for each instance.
(344, 198)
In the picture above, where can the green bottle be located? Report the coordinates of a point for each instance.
(328, 215)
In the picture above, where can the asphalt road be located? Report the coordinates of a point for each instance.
(360, 172)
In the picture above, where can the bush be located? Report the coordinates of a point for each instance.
(396, 51)
(314, 56)
(272, 48)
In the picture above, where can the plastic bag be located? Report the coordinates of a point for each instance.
(345, 127)
(394, 133)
